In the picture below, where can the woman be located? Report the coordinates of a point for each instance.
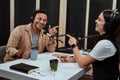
(104, 56)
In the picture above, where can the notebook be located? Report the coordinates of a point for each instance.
(25, 68)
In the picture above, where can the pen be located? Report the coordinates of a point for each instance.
(62, 56)
(65, 56)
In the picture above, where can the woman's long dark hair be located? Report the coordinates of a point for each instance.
(112, 25)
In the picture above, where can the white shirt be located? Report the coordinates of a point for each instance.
(103, 50)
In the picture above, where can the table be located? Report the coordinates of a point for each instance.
(66, 71)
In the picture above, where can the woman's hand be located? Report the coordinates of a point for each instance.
(72, 40)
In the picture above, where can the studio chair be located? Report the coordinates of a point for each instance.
(86, 77)
(2, 53)
(119, 65)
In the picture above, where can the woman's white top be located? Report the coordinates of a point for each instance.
(103, 50)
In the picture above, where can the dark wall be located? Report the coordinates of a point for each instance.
(76, 10)
(4, 21)
(96, 6)
(76, 14)
(118, 4)
(23, 11)
(52, 8)
(118, 7)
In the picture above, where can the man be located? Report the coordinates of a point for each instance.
(30, 37)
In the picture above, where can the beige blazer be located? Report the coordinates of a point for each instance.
(21, 39)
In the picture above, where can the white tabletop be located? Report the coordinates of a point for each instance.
(65, 71)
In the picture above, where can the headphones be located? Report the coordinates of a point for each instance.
(109, 25)
(34, 14)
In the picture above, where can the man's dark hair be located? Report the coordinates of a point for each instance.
(37, 11)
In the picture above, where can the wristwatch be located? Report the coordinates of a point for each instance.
(73, 46)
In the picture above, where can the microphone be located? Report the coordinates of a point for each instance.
(91, 36)
(54, 37)
(80, 37)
